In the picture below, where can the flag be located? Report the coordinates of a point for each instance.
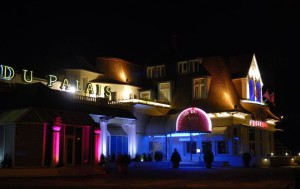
(267, 95)
(272, 99)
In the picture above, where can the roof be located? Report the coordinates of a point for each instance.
(239, 65)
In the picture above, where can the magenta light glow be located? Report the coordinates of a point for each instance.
(55, 144)
(193, 120)
(86, 144)
(97, 145)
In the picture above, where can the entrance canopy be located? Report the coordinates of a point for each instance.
(193, 120)
(189, 120)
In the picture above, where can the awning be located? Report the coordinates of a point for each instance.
(218, 130)
(116, 131)
(43, 115)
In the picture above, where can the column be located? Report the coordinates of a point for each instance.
(131, 132)
(103, 137)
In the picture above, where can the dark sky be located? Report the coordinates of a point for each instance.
(36, 33)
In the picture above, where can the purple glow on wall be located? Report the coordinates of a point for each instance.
(97, 145)
(86, 144)
(193, 120)
(55, 144)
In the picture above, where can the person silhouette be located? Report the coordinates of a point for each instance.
(175, 158)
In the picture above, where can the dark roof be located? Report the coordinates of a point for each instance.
(239, 65)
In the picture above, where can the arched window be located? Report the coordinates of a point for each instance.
(251, 90)
(258, 91)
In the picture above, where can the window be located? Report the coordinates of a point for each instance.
(145, 95)
(222, 147)
(206, 146)
(156, 71)
(258, 91)
(182, 67)
(251, 90)
(235, 147)
(236, 141)
(191, 147)
(252, 142)
(199, 88)
(251, 134)
(254, 90)
(151, 72)
(189, 66)
(164, 92)
(194, 65)
(160, 71)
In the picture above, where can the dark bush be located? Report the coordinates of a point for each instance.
(6, 162)
(158, 155)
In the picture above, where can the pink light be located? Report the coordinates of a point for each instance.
(193, 120)
(55, 144)
(86, 143)
(97, 145)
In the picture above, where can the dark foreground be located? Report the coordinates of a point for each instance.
(166, 177)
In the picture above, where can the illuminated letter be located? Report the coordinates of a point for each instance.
(52, 79)
(77, 86)
(7, 72)
(107, 91)
(64, 84)
(98, 89)
(25, 78)
(89, 88)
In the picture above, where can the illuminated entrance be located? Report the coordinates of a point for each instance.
(183, 131)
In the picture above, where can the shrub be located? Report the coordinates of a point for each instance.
(123, 159)
(246, 159)
(6, 162)
(158, 155)
(149, 157)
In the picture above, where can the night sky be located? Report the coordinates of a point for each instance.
(35, 34)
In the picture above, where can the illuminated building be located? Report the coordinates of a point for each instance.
(193, 105)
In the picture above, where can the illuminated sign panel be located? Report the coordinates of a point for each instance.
(8, 73)
(193, 120)
(256, 123)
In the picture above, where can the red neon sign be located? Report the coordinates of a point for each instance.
(256, 123)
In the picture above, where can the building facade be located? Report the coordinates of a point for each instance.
(195, 105)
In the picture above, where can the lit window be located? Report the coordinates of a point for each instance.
(183, 67)
(164, 92)
(199, 88)
(160, 71)
(151, 72)
(145, 95)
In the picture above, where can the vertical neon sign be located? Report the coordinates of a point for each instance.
(55, 140)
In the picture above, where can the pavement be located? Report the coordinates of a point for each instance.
(158, 175)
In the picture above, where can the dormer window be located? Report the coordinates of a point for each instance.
(151, 72)
(199, 88)
(156, 71)
(189, 66)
